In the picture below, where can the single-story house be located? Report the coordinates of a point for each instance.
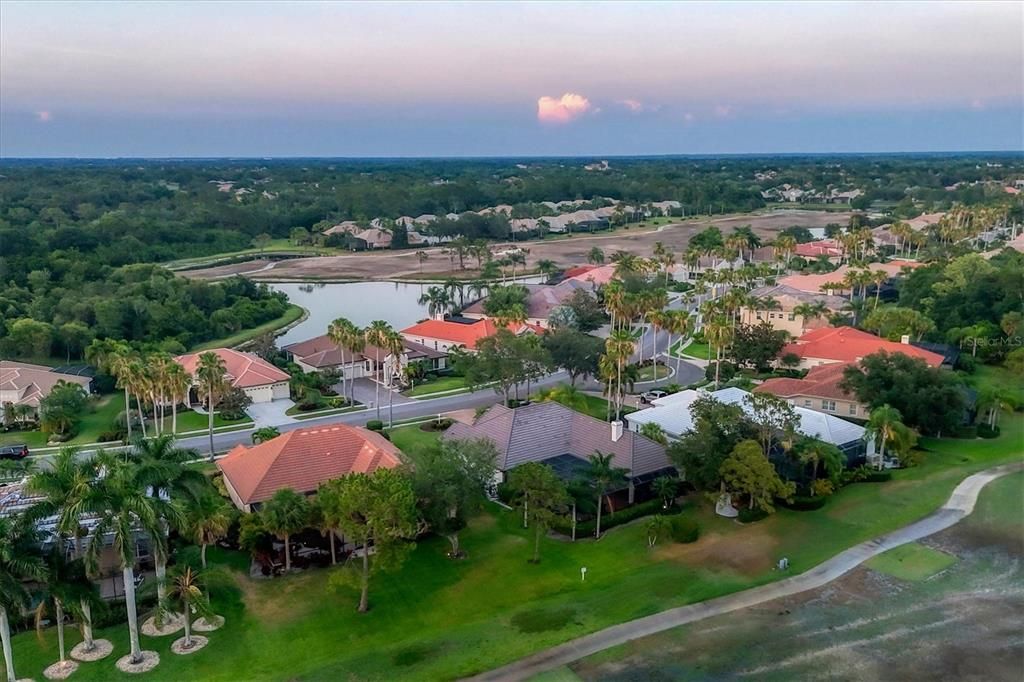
(260, 380)
(597, 276)
(924, 221)
(830, 345)
(577, 220)
(374, 238)
(541, 300)
(672, 413)
(321, 353)
(551, 433)
(818, 391)
(458, 332)
(301, 460)
(22, 383)
(786, 318)
(823, 247)
(814, 282)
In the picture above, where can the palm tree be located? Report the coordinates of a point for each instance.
(878, 278)
(354, 339)
(376, 335)
(603, 475)
(138, 381)
(186, 592)
(118, 360)
(339, 331)
(567, 395)
(66, 586)
(619, 347)
(262, 435)
(178, 384)
(285, 514)
(19, 562)
(817, 452)
(211, 374)
(810, 311)
(437, 300)
(394, 345)
(666, 488)
(719, 334)
(127, 512)
(63, 488)
(161, 467)
(207, 520)
(420, 257)
(595, 256)
(885, 427)
(676, 323)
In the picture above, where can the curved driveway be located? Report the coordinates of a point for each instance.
(960, 504)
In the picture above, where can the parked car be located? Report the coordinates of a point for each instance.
(13, 451)
(651, 396)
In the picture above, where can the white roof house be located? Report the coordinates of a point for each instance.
(672, 414)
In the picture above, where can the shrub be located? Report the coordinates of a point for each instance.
(966, 431)
(504, 493)
(685, 529)
(912, 458)
(609, 521)
(727, 372)
(437, 424)
(986, 431)
(110, 436)
(804, 503)
(751, 515)
(878, 477)
(375, 425)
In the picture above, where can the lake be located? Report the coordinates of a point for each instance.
(397, 303)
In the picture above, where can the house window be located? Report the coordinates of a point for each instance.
(828, 405)
(853, 408)
(792, 316)
(759, 315)
(807, 403)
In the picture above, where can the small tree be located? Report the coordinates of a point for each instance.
(262, 435)
(666, 488)
(542, 497)
(657, 526)
(377, 509)
(603, 475)
(207, 520)
(748, 472)
(186, 591)
(450, 484)
(285, 514)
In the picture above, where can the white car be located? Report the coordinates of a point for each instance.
(651, 396)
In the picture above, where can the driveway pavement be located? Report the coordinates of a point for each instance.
(270, 414)
(960, 504)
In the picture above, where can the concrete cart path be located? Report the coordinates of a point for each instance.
(960, 504)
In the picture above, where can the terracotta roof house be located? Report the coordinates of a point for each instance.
(260, 380)
(673, 414)
(598, 276)
(824, 247)
(786, 318)
(541, 300)
(375, 238)
(818, 391)
(22, 383)
(577, 270)
(924, 220)
(814, 282)
(301, 460)
(552, 433)
(443, 335)
(320, 353)
(831, 345)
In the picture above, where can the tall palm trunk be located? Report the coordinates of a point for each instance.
(202, 558)
(142, 415)
(174, 414)
(188, 631)
(209, 417)
(334, 556)
(364, 596)
(160, 563)
(597, 531)
(344, 377)
(5, 635)
(287, 552)
(128, 575)
(376, 371)
(59, 615)
(87, 643)
(127, 415)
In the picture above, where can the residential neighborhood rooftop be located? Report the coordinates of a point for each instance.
(244, 370)
(846, 344)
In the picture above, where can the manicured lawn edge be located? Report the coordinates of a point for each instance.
(291, 316)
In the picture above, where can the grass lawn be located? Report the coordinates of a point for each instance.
(448, 383)
(440, 619)
(190, 420)
(414, 442)
(695, 350)
(99, 418)
(999, 378)
(913, 562)
(292, 314)
(646, 372)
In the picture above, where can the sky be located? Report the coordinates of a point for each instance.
(206, 79)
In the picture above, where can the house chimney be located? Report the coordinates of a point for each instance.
(616, 431)
(905, 339)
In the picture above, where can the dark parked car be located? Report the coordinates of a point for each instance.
(13, 451)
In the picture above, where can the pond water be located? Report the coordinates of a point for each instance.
(397, 303)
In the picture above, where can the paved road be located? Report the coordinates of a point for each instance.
(960, 504)
(404, 408)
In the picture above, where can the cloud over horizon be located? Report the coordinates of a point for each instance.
(564, 109)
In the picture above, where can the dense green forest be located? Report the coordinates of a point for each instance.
(75, 235)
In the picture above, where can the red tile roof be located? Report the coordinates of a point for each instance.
(825, 247)
(577, 271)
(245, 370)
(821, 382)
(846, 344)
(304, 458)
(462, 333)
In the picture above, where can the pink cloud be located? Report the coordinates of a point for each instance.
(636, 106)
(44, 116)
(568, 107)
